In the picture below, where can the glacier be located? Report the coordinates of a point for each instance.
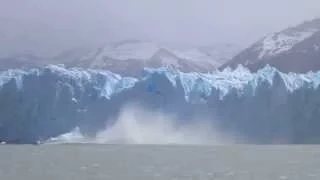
(263, 107)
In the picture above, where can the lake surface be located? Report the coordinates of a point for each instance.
(147, 162)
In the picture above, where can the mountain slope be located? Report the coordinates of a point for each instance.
(295, 49)
(221, 52)
(71, 55)
(130, 57)
(25, 60)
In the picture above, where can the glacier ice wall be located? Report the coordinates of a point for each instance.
(263, 107)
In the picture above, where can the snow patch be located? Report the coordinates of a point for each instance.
(277, 43)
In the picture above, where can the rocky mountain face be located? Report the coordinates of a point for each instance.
(296, 49)
(132, 56)
(25, 60)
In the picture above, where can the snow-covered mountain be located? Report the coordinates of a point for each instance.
(296, 49)
(221, 52)
(263, 107)
(71, 55)
(23, 60)
(130, 57)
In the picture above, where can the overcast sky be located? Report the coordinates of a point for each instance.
(47, 27)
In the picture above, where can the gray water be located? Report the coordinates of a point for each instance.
(139, 162)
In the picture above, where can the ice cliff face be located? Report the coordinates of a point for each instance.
(263, 107)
